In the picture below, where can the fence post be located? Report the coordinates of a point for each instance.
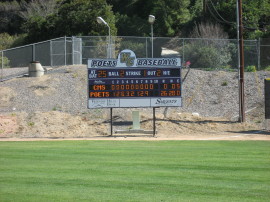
(73, 52)
(33, 52)
(259, 53)
(183, 51)
(146, 48)
(2, 65)
(51, 55)
(65, 50)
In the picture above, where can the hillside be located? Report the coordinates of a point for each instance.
(55, 105)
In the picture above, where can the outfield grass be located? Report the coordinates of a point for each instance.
(135, 171)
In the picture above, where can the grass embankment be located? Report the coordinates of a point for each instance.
(135, 171)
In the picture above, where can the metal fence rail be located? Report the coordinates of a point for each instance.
(201, 53)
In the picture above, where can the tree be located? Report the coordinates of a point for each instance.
(170, 16)
(209, 52)
(42, 8)
(256, 16)
(74, 17)
(10, 21)
(78, 17)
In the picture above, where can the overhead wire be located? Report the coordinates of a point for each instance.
(213, 15)
(226, 21)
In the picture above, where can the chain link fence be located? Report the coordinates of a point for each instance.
(210, 93)
(264, 53)
(53, 53)
(199, 53)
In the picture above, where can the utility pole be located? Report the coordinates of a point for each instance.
(241, 68)
(204, 6)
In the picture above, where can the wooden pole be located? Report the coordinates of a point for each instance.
(241, 80)
(204, 6)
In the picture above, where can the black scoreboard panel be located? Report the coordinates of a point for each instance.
(137, 72)
(134, 82)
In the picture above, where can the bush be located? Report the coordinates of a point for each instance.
(224, 83)
(251, 68)
(5, 62)
(138, 48)
(207, 52)
(208, 55)
(9, 41)
(6, 41)
(267, 68)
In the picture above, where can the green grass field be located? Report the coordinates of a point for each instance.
(135, 171)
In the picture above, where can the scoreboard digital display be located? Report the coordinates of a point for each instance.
(135, 86)
(135, 83)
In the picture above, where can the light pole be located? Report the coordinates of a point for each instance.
(151, 20)
(100, 20)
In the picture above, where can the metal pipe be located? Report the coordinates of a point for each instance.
(183, 51)
(100, 20)
(72, 44)
(259, 53)
(2, 73)
(154, 109)
(33, 52)
(111, 116)
(146, 51)
(110, 53)
(32, 44)
(51, 54)
(152, 40)
(65, 51)
(154, 121)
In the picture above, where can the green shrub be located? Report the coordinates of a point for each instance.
(5, 62)
(267, 68)
(224, 83)
(9, 41)
(251, 68)
(209, 69)
(19, 40)
(6, 41)
(211, 55)
(137, 47)
(227, 68)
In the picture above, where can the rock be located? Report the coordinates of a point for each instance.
(195, 114)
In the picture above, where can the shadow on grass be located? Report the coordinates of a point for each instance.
(252, 132)
(116, 121)
(125, 136)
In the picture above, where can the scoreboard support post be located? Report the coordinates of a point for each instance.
(154, 121)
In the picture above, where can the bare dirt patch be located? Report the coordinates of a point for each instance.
(8, 125)
(181, 126)
(41, 87)
(6, 96)
(54, 106)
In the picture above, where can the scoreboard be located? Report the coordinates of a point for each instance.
(113, 84)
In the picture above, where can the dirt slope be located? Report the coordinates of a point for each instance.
(54, 106)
